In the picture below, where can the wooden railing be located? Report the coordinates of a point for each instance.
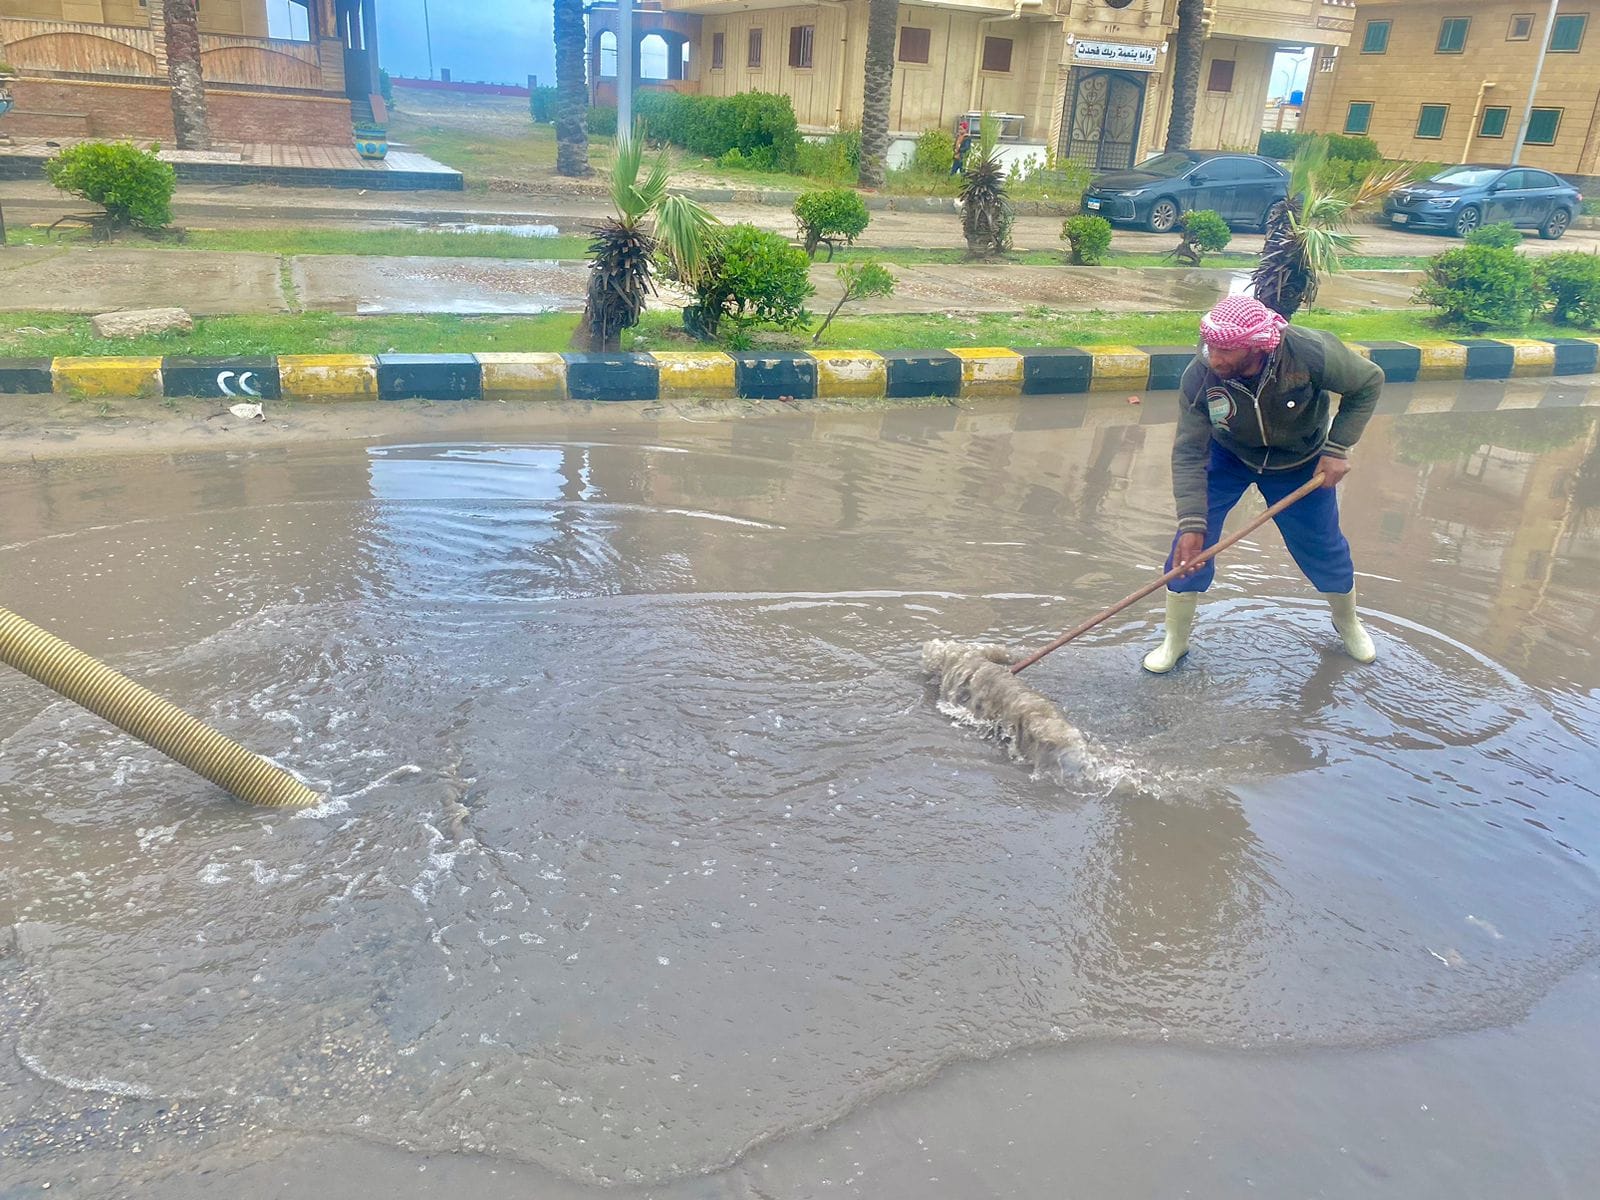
(260, 62)
(78, 48)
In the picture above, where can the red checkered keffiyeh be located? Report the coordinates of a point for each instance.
(1242, 323)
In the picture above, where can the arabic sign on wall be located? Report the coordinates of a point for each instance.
(1115, 54)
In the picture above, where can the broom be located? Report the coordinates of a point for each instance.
(981, 680)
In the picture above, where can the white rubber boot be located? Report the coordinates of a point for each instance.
(1356, 639)
(1180, 619)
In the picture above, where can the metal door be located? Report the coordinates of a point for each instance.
(1103, 118)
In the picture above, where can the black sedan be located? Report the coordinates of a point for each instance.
(1460, 199)
(1241, 188)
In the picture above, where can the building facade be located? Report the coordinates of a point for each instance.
(1089, 80)
(98, 68)
(1448, 81)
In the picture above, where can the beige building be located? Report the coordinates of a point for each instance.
(1448, 81)
(1090, 80)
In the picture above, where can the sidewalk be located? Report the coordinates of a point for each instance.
(209, 282)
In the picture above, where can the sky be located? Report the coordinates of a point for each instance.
(479, 41)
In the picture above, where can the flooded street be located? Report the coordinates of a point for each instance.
(653, 869)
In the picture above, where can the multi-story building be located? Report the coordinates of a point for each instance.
(1089, 79)
(98, 68)
(1449, 81)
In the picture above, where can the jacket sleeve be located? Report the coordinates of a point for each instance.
(1358, 382)
(1190, 451)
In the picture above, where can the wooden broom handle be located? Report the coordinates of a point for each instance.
(1200, 560)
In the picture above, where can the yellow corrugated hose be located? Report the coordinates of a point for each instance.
(152, 720)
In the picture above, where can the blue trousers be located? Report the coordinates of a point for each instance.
(1310, 526)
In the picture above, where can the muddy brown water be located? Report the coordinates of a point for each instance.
(650, 854)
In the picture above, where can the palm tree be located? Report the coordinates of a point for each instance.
(623, 254)
(1308, 232)
(986, 213)
(1188, 47)
(572, 90)
(882, 18)
(189, 117)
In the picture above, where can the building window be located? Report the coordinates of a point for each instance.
(608, 55)
(1376, 40)
(1359, 117)
(914, 44)
(1521, 28)
(1567, 36)
(719, 50)
(1543, 127)
(997, 54)
(1221, 78)
(1493, 124)
(1327, 59)
(1453, 35)
(1430, 121)
(753, 52)
(800, 40)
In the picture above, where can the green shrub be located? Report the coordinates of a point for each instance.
(1502, 234)
(1572, 281)
(1345, 174)
(1089, 237)
(761, 126)
(1482, 287)
(601, 121)
(935, 153)
(1353, 148)
(861, 281)
(1285, 144)
(1205, 232)
(542, 105)
(1282, 144)
(750, 276)
(733, 160)
(132, 185)
(835, 159)
(832, 214)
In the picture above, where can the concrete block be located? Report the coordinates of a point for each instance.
(1573, 356)
(612, 377)
(1531, 357)
(1488, 358)
(1400, 361)
(989, 371)
(221, 378)
(1118, 367)
(429, 377)
(536, 376)
(918, 373)
(695, 375)
(775, 376)
(1167, 365)
(1056, 371)
(1442, 360)
(142, 322)
(97, 377)
(850, 373)
(322, 378)
(26, 377)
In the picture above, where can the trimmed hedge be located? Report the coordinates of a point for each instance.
(1284, 145)
(759, 125)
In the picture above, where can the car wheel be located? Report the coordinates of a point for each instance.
(1164, 216)
(1555, 225)
(1468, 219)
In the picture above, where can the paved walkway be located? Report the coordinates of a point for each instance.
(208, 283)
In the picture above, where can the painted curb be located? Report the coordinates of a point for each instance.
(961, 372)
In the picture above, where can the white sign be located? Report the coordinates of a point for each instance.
(1115, 54)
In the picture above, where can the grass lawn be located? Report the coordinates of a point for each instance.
(403, 242)
(44, 335)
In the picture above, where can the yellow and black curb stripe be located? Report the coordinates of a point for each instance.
(964, 372)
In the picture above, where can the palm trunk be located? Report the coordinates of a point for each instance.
(882, 18)
(1188, 46)
(572, 90)
(189, 117)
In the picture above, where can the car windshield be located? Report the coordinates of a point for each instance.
(1168, 166)
(1467, 176)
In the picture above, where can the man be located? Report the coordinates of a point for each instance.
(1256, 409)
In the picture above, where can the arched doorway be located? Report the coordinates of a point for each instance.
(654, 59)
(606, 59)
(1104, 112)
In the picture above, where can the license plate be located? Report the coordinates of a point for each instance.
(1400, 218)
(1091, 204)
